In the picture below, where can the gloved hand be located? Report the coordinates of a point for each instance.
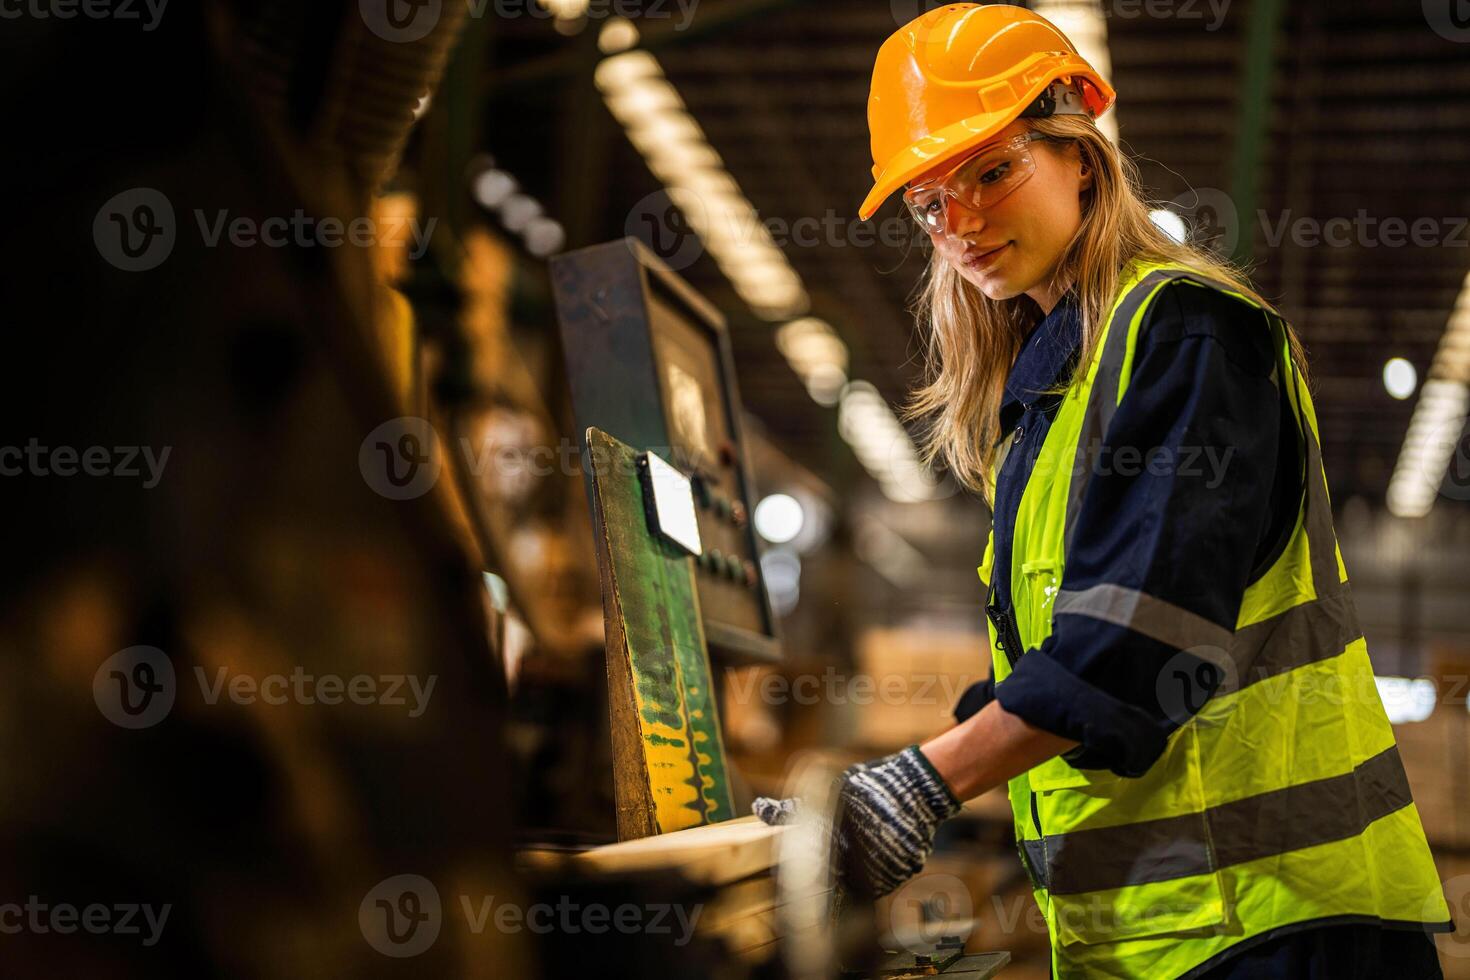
(887, 814)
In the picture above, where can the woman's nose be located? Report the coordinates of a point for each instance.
(960, 220)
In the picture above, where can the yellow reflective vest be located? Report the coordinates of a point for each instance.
(1282, 801)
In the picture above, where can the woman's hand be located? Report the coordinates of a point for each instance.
(887, 814)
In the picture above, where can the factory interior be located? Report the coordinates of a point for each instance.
(466, 453)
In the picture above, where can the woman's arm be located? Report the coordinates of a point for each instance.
(989, 748)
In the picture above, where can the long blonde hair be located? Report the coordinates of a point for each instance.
(972, 340)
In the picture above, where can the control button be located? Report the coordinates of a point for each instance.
(737, 513)
(701, 490)
(749, 569)
(735, 568)
(722, 506)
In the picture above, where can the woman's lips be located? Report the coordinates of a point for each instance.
(982, 259)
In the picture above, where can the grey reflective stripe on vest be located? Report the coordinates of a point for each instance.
(1303, 815)
(1305, 634)
(1143, 613)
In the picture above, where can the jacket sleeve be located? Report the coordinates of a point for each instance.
(975, 697)
(1166, 539)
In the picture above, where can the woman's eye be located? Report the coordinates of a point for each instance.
(995, 173)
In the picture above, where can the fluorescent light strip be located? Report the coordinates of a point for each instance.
(882, 445)
(641, 98)
(1439, 418)
(674, 146)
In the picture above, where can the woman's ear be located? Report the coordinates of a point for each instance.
(1085, 175)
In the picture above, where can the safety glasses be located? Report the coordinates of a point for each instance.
(981, 181)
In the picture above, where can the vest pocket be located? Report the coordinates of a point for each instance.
(1156, 909)
(1057, 773)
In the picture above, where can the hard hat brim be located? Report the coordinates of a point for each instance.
(944, 145)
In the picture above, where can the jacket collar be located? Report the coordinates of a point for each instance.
(1044, 360)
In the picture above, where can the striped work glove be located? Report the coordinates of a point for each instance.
(887, 814)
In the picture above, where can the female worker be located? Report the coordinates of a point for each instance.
(1203, 779)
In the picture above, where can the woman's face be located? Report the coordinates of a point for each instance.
(1011, 247)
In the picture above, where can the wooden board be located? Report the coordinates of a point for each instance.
(716, 854)
(669, 770)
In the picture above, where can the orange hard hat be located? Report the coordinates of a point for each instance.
(952, 78)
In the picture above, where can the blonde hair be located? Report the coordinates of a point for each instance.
(972, 340)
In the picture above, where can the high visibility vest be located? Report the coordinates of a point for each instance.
(1282, 801)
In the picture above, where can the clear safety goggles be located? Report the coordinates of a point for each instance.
(981, 181)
